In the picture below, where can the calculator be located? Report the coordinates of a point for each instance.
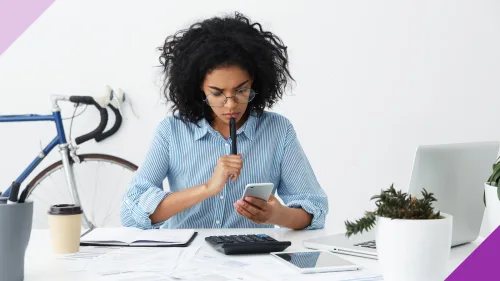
(246, 244)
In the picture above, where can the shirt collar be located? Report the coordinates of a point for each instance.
(248, 129)
(202, 130)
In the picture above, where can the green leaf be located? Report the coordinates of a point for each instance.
(484, 198)
(495, 178)
(495, 174)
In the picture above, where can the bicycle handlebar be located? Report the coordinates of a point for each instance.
(97, 133)
(114, 129)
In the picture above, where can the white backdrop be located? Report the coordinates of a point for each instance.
(374, 80)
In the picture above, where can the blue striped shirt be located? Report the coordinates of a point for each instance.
(186, 156)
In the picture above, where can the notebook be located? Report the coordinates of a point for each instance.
(135, 237)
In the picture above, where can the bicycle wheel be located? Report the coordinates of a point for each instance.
(101, 182)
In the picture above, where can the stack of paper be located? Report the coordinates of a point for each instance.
(193, 264)
(207, 265)
(112, 263)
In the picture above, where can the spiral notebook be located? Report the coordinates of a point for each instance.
(135, 237)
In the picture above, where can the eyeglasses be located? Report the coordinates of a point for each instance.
(241, 96)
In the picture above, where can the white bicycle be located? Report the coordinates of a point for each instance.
(94, 181)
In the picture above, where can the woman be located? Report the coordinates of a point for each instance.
(219, 69)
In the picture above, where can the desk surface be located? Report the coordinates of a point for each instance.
(41, 264)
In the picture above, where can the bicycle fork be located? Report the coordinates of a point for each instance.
(70, 178)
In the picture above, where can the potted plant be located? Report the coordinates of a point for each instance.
(492, 197)
(413, 242)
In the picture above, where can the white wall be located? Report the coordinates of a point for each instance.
(377, 77)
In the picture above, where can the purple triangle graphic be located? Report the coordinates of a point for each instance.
(16, 16)
(480, 264)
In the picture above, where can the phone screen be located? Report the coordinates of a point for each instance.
(314, 259)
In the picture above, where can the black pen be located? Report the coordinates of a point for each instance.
(23, 195)
(14, 191)
(232, 130)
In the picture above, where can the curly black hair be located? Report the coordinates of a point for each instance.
(188, 55)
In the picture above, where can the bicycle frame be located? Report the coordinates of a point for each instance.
(59, 140)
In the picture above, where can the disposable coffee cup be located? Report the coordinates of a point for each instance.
(65, 223)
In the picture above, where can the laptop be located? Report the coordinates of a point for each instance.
(455, 173)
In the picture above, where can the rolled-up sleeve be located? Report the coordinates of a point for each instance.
(145, 191)
(298, 186)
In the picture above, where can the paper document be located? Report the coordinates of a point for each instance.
(135, 276)
(79, 261)
(87, 253)
(161, 260)
(192, 264)
(207, 265)
(119, 263)
(129, 236)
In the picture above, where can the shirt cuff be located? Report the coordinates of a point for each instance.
(318, 219)
(147, 204)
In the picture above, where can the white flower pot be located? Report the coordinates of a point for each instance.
(492, 207)
(414, 250)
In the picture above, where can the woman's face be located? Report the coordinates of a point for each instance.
(227, 81)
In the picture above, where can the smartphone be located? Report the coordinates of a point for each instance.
(259, 190)
(315, 261)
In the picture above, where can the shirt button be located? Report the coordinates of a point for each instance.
(221, 197)
(227, 144)
(217, 222)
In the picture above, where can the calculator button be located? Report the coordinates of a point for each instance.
(246, 244)
(248, 239)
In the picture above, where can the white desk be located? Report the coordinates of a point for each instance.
(41, 264)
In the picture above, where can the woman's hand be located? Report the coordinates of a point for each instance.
(226, 166)
(260, 211)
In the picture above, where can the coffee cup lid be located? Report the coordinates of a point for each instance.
(65, 209)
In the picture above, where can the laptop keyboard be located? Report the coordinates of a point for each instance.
(368, 244)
